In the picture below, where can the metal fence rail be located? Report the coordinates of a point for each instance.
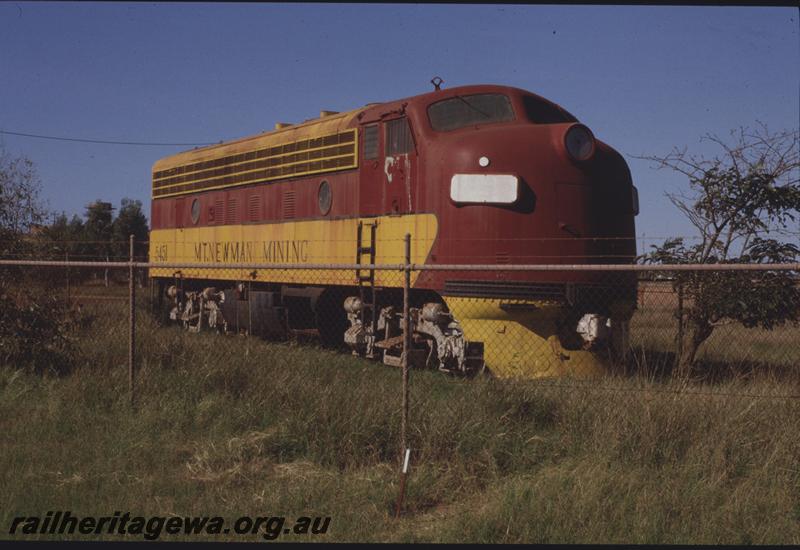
(413, 266)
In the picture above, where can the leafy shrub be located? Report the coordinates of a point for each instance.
(35, 331)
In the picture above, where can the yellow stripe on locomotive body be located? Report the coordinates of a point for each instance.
(293, 242)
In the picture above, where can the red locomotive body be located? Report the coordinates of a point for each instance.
(477, 174)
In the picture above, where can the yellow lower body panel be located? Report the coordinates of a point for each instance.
(294, 243)
(521, 339)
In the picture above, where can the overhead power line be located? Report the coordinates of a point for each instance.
(103, 141)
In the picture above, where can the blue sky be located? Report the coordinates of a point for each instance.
(643, 78)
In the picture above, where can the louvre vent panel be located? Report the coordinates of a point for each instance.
(288, 204)
(219, 212)
(306, 156)
(231, 216)
(254, 208)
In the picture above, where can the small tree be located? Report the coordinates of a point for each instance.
(744, 204)
(33, 324)
(20, 207)
(130, 221)
(99, 228)
(64, 239)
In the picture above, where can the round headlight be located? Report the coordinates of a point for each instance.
(579, 142)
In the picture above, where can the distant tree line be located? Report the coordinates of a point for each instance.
(98, 235)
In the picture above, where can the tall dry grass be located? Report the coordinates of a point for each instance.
(233, 426)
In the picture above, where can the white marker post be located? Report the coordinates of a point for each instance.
(403, 475)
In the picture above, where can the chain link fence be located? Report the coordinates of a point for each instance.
(356, 362)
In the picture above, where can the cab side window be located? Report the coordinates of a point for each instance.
(398, 137)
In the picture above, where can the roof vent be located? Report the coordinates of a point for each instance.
(282, 125)
(323, 114)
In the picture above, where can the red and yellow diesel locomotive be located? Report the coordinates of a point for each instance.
(479, 174)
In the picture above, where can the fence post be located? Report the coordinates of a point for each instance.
(131, 320)
(404, 449)
(66, 257)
